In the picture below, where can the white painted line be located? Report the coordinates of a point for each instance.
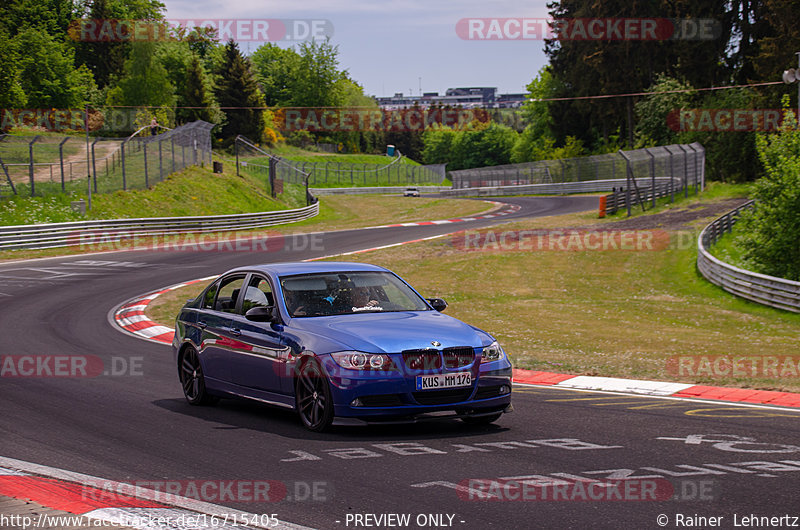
(614, 384)
(152, 518)
(141, 493)
(131, 320)
(139, 307)
(671, 398)
(153, 331)
(6, 472)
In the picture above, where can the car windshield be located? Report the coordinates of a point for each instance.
(341, 293)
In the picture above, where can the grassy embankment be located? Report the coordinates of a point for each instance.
(197, 191)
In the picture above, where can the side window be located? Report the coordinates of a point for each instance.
(258, 294)
(208, 299)
(229, 290)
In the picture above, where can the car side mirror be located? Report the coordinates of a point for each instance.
(438, 304)
(259, 314)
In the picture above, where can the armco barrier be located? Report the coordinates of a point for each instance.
(588, 186)
(379, 189)
(64, 234)
(767, 290)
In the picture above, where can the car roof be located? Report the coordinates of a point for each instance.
(301, 267)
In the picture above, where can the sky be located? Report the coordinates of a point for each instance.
(400, 45)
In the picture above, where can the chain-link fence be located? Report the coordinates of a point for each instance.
(329, 174)
(277, 172)
(675, 161)
(38, 165)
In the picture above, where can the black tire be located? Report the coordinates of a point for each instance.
(192, 379)
(482, 420)
(313, 399)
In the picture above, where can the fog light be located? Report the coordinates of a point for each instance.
(505, 389)
(356, 403)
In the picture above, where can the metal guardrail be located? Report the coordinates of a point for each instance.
(377, 189)
(589, 186)
(624, 197)
(67, 234)
(760, 288)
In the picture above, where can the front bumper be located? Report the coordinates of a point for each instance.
(386, 397)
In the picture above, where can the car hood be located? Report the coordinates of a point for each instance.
(392, 332)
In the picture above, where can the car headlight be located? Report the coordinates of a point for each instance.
(356, 360)
(492, 352)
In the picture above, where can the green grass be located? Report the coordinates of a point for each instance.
(725, 249)
(193, 191)
(714, 191)
(345, 170)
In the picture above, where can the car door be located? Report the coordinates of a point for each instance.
(259, 359)
(214, 319)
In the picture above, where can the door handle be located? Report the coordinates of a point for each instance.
(236, 331)
(201, 324)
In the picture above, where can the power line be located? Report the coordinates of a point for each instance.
(537, 100)
(676, 91)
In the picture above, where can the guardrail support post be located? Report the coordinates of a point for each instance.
(61, 161)
(146, 180)
(30, 166)
(94, 165)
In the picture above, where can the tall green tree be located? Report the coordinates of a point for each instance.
(318, 82)
(106, 58)
(771, 231)
(276, 70)
(145, 82)
(237, 88)
(11, 93)
(46, 72)
(195, 95)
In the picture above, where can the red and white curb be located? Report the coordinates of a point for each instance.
(79, 494)
(509, 209)
(130, 316)
(658, 388)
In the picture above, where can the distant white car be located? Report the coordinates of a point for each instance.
(411, 192)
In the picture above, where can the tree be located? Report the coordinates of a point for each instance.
(194, 93)
(276, 70)
(483, 144)
(318, 79)
(106, 59)
(145, 81)
(538, 133)
(770, 232)
(11, 93)
(237, 88)
(46, 72)
(438, 143)
(654, 112)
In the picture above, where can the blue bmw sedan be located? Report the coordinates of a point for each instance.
(341, 343)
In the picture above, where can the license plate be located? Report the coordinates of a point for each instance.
(438, 381)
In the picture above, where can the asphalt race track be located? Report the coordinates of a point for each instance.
(134, 425)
